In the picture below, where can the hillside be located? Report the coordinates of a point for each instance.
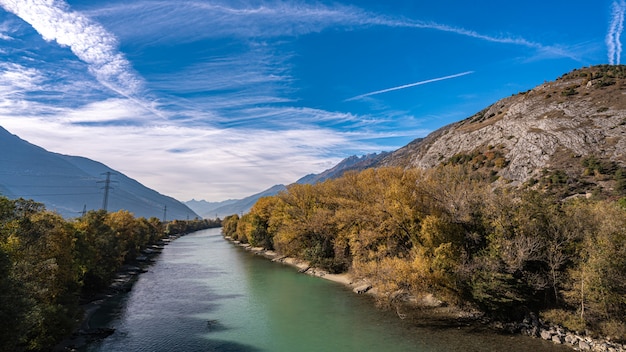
(69, 184)
(569, 132)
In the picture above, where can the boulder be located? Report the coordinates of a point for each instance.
(571, 339)
(362, 289)
(584, 346)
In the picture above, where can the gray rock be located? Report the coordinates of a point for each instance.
(571, 339)
(557, 339)
(546, 335)
(584, 346)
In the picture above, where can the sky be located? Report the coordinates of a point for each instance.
(217, 100)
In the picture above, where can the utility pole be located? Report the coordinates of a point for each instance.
(107, 187)
(84, 210)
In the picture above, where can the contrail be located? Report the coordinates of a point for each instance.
(616, 28)
(409, 85)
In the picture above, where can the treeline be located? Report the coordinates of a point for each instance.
(47, 263)
(448, 232)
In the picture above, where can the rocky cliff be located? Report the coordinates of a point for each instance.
(575, 126)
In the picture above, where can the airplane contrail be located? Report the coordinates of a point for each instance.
(409, 85)
(616, 28)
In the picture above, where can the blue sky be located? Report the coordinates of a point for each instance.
(221, 99)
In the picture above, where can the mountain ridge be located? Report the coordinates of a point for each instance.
(528, 137)
(70, 184)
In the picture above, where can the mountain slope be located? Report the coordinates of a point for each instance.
(69, 184)
(561, 127)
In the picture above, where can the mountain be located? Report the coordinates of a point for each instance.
(571, 131)
(211, 210)
(352, 163)
(207, 208)
(238, 206)
(69, 184)
(568, 135)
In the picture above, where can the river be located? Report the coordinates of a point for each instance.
(205, 294)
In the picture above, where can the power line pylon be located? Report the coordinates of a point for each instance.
(107, 187)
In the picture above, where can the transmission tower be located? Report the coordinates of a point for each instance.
(107, 187)
(164, 213)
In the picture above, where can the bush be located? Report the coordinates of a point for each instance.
(614, 330)
(568, 319)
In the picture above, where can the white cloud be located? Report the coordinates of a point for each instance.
(4, 29)
(17, 79)
(88, 40)
(616, 27)
(218, 19)
(188, 162)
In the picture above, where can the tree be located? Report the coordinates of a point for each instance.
(598, 286)
(229, 226)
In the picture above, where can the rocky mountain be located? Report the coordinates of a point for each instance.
(352, 163)
(570, 131)
(237, 206)
(71, 184)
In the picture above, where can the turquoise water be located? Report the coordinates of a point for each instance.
(204, 294)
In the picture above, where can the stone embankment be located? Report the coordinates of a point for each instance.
(534, 327)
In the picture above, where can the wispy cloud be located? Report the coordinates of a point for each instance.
(18, 79)
(88, 40)
(234, 104)
(143, 152)
(3, 32)
(211, 19)
(616, 27)
(409, 85)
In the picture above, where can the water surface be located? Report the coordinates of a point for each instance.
(204, 294)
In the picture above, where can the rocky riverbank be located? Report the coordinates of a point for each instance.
(535, 327)
(89, 331)
(428, 307)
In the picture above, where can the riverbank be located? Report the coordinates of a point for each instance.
(89, 331)
(428, 310)
(406, 305)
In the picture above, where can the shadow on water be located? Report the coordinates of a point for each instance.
(160, 313)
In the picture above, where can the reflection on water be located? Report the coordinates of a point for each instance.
(204, 294)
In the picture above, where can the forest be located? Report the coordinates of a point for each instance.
(49, 265)
(450, 232)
